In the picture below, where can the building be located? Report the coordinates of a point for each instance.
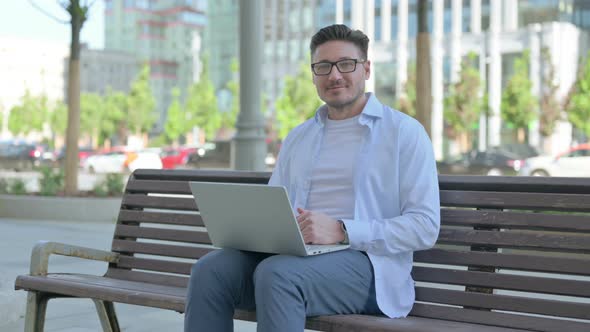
(496, 30)
(106, 69)
(33, 65)
(166, 34)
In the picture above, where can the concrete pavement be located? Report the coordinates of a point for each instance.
(17, 237)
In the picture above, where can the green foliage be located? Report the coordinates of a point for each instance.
(201, 104)
(141, 103)
(578, 108)
(51, 181)
(111, 185)
(176, 124)
(549, 107)
(298, 101)
(228, 119)
(4, 186)
(406, 101)
(518, 102)
(91, 113)
(463, 105)
(114, 110)
(17, 187)
(58, 119)
(29, 115)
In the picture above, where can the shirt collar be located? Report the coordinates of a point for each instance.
(371, 111)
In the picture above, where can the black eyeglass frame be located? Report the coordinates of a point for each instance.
(335, 64)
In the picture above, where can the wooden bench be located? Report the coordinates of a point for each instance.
(507, 258)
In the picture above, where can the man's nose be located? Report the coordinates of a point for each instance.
(335, 74)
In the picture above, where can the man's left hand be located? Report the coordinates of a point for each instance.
(318, 228)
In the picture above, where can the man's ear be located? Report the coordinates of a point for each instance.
(367, 68)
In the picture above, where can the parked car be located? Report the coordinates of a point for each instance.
(211, 155)
(504, 160)
(83, 154)
(122, 160)
(20, 156)
(176, 157)
(574, 162)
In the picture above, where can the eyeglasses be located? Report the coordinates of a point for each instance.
(344, 66)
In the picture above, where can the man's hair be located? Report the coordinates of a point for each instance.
(340, 32)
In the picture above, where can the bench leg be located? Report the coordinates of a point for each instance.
(36, 308)
(107, 315)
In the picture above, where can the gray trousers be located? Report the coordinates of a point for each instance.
(282, 289)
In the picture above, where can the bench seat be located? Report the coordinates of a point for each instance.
(513, 254)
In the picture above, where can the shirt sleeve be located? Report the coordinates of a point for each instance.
(418, 225)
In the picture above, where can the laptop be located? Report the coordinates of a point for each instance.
(253, 217)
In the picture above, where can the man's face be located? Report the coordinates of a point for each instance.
(340, 89)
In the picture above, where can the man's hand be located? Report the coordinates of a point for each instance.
(318, 228)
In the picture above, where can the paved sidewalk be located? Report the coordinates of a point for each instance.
(17, 237)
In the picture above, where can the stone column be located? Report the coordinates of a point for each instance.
(249, 141)
(510, 9)
(370, 32)
(495, 77)
(357, 14)
(456, 31)
(386, 20)
(437, 77)
(402, 47)
(339, 11)
(535, 77)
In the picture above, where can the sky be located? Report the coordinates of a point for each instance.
(19, 18)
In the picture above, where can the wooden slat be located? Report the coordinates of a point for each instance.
(129, 262)
(516, 239)
(503, 281)
(515, 184)
(153, 233)
(202, 175)
(154, 278)
(516, 200)
(157, 249)
(504, 302)
(140, 216)
(497, 318)
(516, 220)
(562, 265)
(159, 186)
(158, 202)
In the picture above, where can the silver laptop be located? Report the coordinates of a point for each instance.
(252, 217)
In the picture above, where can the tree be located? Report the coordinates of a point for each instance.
(29, 116)
(550, 107)
(141, 104)
(518, 102)
(298, 101)
(463, 105)
(407, 100)
(423, 82)
(58, 119)
(228, 119)
(176, 124)
(201, 104)
(114, 112)
(91, 114)
(578, 106)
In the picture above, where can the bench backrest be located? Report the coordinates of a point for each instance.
(506, 250)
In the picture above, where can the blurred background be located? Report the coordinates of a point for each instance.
(159, 81)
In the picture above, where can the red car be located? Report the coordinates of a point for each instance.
(174, 157)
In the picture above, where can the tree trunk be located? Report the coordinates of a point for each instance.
(73, 130)
(423, 82)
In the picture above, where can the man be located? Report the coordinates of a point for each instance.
(358, 172)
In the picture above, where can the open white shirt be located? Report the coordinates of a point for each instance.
(396, 197)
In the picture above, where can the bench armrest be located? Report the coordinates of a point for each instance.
(42, 250)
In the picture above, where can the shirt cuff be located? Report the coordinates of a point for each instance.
(359, 234)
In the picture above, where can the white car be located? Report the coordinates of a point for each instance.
(575, 162)
(122, 161)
